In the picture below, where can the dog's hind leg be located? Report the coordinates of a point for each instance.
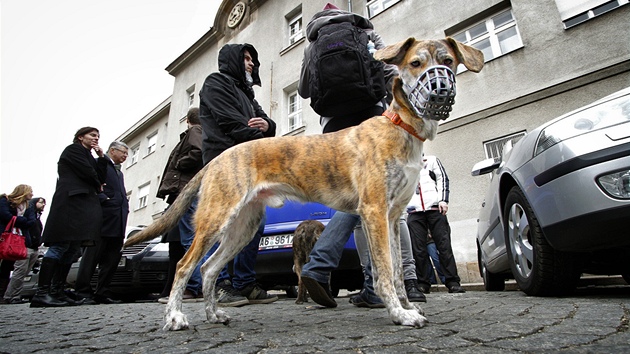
(174, 318)
(377, 228)
(235, 233)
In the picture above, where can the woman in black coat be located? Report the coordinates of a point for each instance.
(75, 213)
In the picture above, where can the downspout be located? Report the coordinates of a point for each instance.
(349, 5)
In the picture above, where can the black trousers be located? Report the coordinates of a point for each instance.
(106, 254)
(419, 224)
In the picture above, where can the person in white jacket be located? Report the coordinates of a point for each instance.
(427, 211)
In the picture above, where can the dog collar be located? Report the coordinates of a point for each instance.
(395, 118)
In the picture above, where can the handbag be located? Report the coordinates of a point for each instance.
(12, 243)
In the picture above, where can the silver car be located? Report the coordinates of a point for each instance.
(558, 204)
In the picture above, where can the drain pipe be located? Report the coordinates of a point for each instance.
(349, 5)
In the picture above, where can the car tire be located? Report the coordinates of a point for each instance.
(538, 269)
(491, 281)
(292, 292)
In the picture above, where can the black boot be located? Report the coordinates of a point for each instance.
(42, 296)
(58, 286)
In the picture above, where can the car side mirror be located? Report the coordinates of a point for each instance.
(485, 166)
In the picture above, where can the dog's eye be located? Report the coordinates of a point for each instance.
(448, 62)
(415, 63)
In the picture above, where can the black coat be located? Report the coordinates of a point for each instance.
(227, 103)
(183, 164)
(24, 222)
(114, 203)
(75, 211)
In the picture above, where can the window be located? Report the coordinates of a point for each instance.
(134, 155)
(574, 12)
(294, 110)
(494, 148)
(495, 36)
(151, 143)
(295, 29)
(191, 97)
(377, 6)
(143, 194)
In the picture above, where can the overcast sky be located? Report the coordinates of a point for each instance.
(66, 64)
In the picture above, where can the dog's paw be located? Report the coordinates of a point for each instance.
(418, 308)
(219, 316)
(175, 321)
(408, 318)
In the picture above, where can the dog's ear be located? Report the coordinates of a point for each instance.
(394, 54)
(472, 58)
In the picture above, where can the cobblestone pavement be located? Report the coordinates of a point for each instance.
(595, 320)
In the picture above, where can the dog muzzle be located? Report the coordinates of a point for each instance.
(433, 95)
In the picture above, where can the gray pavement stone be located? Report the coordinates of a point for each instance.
(474, 322)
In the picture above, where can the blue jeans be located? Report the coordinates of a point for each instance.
(244, 262)
(435, 258)
(328, 249)
(64, 252)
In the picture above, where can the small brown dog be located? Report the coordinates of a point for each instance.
(304, 238)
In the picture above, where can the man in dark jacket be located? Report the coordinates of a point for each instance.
(229, 116)
(183, 163)
(106, 253)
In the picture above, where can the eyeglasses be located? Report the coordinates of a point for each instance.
(125, 152)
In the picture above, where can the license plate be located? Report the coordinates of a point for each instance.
(275, 241)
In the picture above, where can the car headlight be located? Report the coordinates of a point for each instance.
(601, 116)
(616, 184)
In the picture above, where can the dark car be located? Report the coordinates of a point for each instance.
(142, 269)
(559, 202)
(274, 265)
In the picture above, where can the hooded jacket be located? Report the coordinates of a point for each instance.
(227, 103)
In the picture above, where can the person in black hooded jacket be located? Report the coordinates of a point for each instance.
(230, 115)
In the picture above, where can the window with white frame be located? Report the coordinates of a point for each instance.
(191, 97)
(495, 36)
(295, 28)
(143, 195)
(574, 12)
(294, 110)
(375, 7)
(134, 155)
(494, 148)
(152, 143)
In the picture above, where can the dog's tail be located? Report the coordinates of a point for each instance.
(171, 216)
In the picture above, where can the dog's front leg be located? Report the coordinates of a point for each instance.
(394, 244)
(377, 232)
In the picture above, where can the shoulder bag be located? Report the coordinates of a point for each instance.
(12, 243)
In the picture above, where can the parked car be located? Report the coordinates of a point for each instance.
(142, 269)
(274, 265)
(558, 204)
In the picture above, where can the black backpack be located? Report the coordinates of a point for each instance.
(343, 76)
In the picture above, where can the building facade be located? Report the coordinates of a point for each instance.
(543, 59)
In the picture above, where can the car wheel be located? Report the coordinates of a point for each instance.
(491, 281)
(292, 292)
(538, 269)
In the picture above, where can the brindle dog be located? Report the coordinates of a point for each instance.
(371, 169)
